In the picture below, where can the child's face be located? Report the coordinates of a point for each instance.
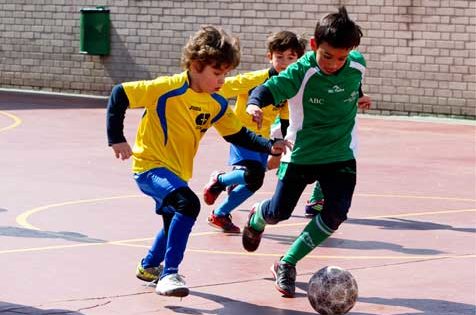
(209, 80)
(329, 59)
(282, 59)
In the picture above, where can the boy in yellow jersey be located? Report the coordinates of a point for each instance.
(179, 109)
(249, 166)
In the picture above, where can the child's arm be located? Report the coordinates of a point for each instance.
(244, 82)
(249, 140)
(364, 102)
(259, 98)
(116, 109)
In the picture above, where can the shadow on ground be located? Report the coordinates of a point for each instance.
(69, 236)
(30, 100)
(333, 242)
(404, 224)
(15, 309)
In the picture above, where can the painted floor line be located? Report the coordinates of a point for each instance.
(22, 219)
(16, 121)
(128, 242)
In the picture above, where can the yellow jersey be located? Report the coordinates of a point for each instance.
(176, 118)
(269, 115)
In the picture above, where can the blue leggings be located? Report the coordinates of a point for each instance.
(179, 207)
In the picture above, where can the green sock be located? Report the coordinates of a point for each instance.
(257, 221)
(316, 193)
(313, 234)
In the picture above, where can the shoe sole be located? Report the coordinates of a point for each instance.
(220, 229)
(275, 276)
(140, 277)
(182, 292)
(207, 201)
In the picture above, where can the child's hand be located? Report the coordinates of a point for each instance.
(122, 150)
(364, 102)
(273, 162)
(280, 146)
(256, 113)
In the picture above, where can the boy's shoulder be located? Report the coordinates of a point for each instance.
(164, 83)
(175, 80)
(263, 73)
(357, 56)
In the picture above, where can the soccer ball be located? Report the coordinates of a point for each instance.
(332, 291)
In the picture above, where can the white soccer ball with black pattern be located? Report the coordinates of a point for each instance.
(332, 291)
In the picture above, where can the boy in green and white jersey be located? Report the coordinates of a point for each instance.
(322, 89)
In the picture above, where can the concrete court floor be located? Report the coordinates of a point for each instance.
(74, 225)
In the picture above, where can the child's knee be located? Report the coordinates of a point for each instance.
(254, 177)
(185, 201)
(334, 217)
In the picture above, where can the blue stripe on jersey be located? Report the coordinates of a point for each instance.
(223, 104)
(161, 107)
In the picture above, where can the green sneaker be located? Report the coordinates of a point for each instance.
(148, 274)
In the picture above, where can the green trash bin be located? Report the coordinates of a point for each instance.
(94, 31)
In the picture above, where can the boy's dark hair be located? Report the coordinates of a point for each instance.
(211, 46)
(284, 40)
(338, 30)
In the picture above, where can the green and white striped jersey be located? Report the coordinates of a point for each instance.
(322, 108)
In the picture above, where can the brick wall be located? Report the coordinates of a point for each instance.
(421, 54)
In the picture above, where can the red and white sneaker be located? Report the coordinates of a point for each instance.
(223, 224)
(213, 188)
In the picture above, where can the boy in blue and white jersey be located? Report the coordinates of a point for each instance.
(322, 89)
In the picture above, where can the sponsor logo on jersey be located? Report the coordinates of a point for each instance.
(195, 108)
(353, 97)
(335, 89)
(202, 119)
(316, 100)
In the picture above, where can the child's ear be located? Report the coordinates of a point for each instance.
(196, 67)
(313, 43)
(269, 55)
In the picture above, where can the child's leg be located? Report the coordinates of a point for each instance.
(156, 253)
(338, 182)
(316, 193)
(292, 182)
(187, 208)
(234, 177)
(171, 194)
(252, 175)
(236, 197)
(280, 207)
(315, 203)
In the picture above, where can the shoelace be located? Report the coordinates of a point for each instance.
(177, 280)
(287, 274)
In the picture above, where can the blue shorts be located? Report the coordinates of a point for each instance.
(239, 154)
(158, 183)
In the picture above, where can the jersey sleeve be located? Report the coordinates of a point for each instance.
(284, 111)
(242, 83)
(145, 93)
(286, 85)
(228, 124)
(358, 57)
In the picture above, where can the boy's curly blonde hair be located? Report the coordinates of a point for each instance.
(211, 46)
